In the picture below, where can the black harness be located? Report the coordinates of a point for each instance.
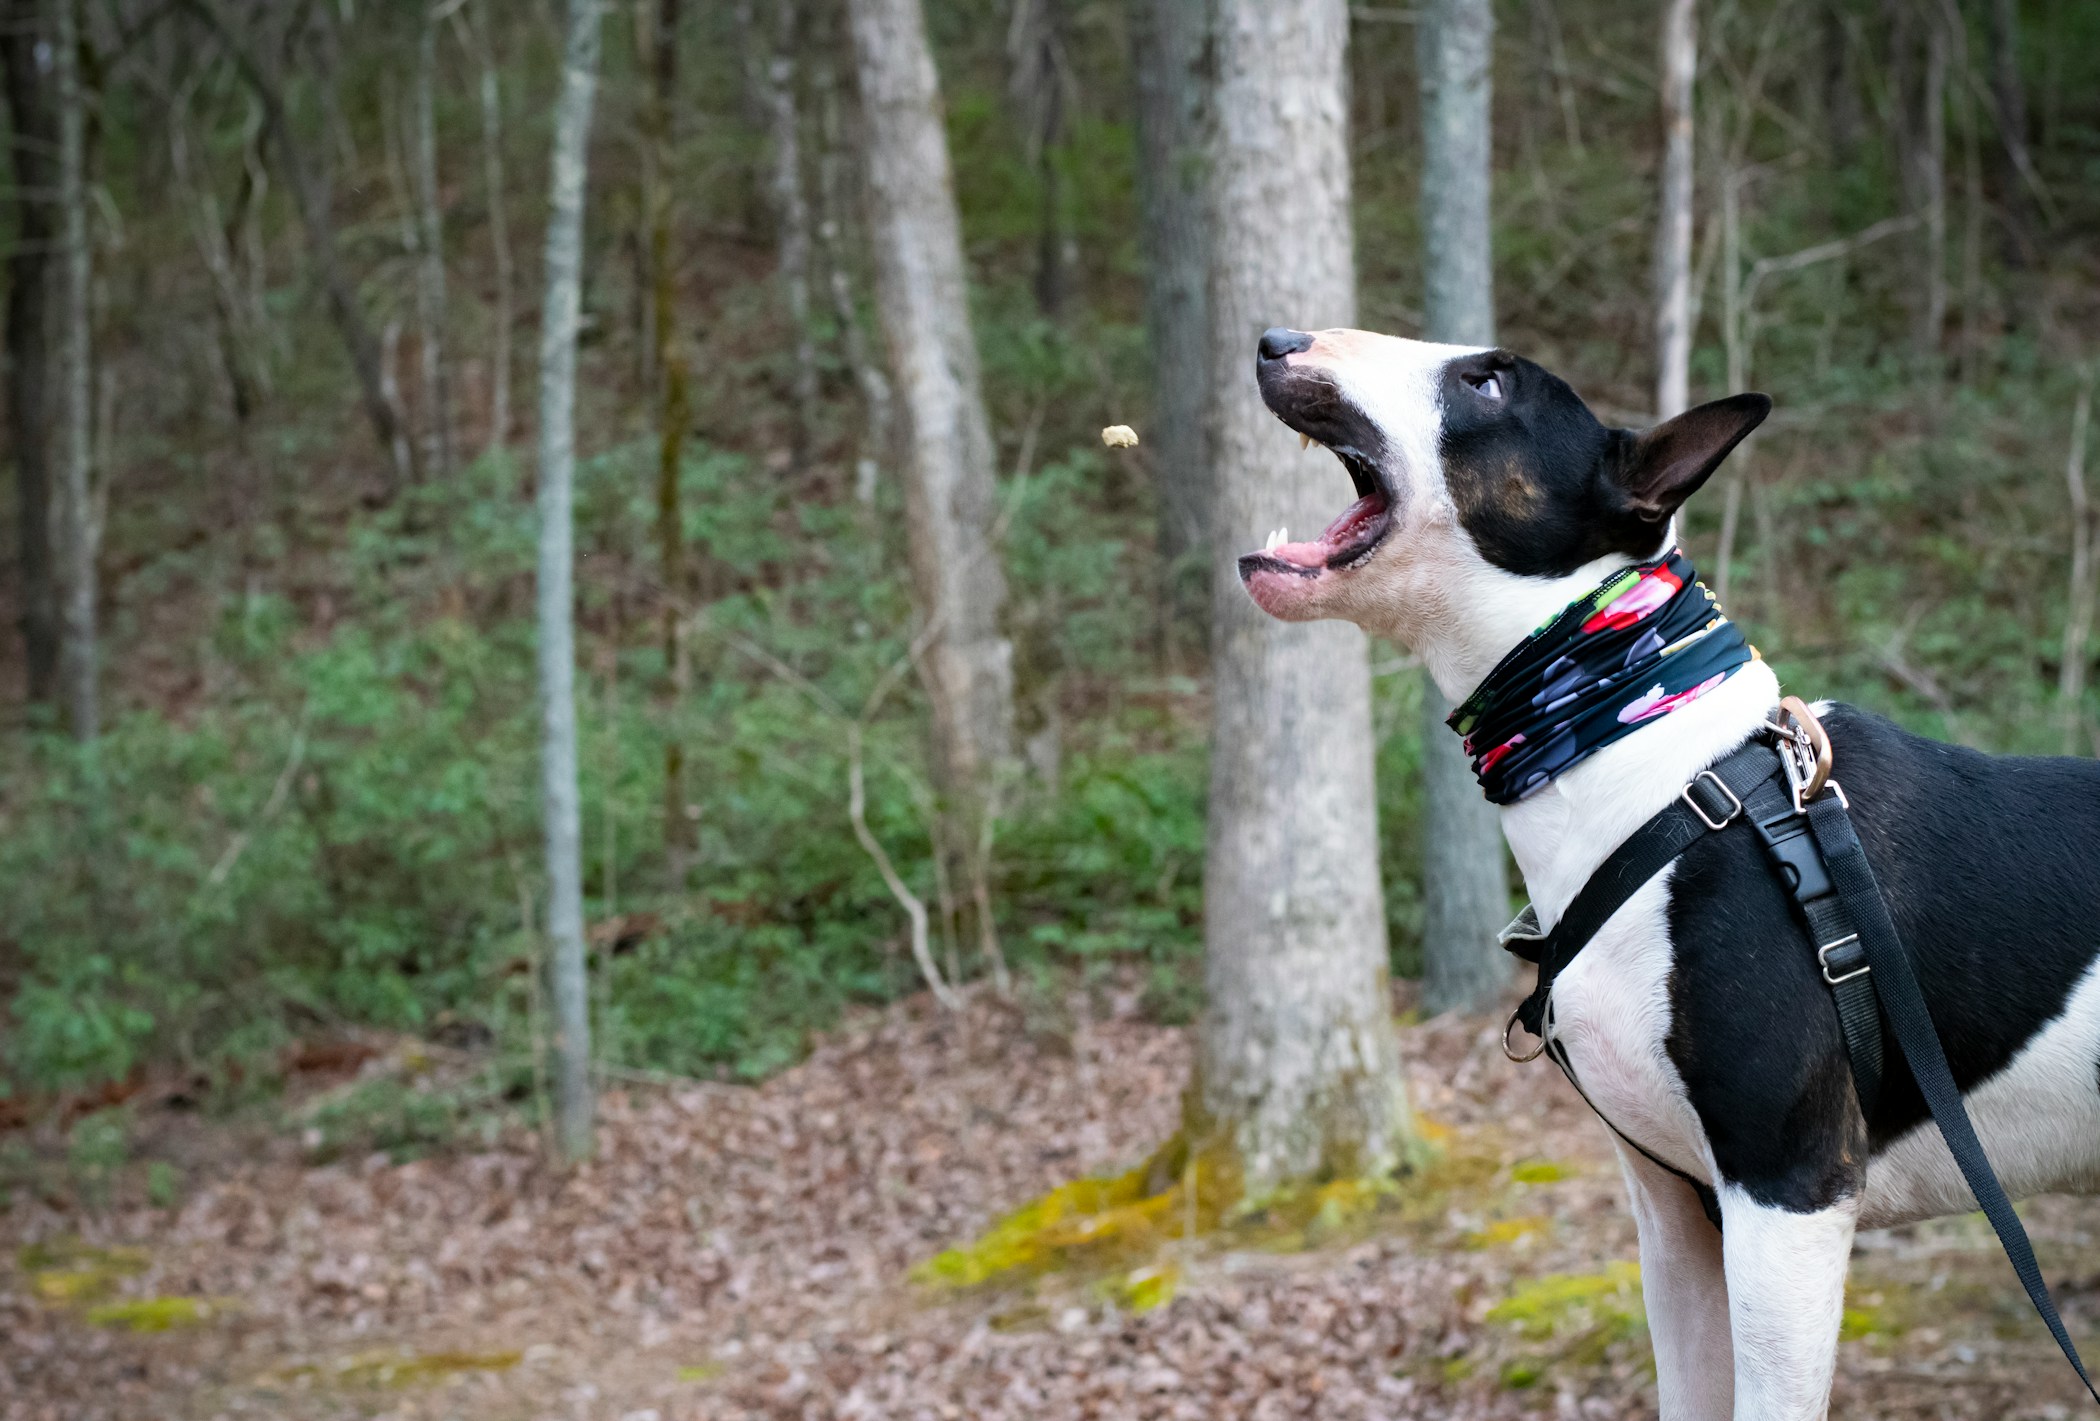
(1779, 784)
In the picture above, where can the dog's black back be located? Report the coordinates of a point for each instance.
(1991, 868)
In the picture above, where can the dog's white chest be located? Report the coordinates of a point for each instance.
(1610, 1017)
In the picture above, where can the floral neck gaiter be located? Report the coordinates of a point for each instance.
(1651, 639)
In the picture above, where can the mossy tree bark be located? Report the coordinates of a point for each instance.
(1465, 887)
(1296, 1077)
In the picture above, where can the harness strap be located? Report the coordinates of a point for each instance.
(1911, 1022)
(1710, 803)
(1794, 856)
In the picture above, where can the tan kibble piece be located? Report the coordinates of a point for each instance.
(1119, 436)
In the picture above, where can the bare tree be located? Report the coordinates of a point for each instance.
(2085, 582)
(559, 320)
(33, 108)
(1465, 888)
(791, 216)
(1673, 228)
(430, 252)
(922, 295)
(1167, 42)
(1296, 1072)
(310, 194)
(472, 30)
(656, 27)
(80, 519)
(2009, 96)
(1038, 80)
(878, 426)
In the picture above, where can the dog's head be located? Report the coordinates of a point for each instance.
(1488, 495)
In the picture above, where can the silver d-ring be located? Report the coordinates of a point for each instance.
(1509, 1026)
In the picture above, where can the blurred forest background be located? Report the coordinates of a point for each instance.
(281, 955)
(307, 799)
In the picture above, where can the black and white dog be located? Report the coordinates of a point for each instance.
(1696, 1020)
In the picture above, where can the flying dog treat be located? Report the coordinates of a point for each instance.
(1119, 436)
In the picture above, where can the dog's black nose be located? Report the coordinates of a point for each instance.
(1279, 341)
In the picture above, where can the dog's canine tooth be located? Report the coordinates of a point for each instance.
(1305, 441)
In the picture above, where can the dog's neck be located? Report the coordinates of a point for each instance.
(1561, 833)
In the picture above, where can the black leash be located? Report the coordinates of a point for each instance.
(1897, 986)
(1802, 819)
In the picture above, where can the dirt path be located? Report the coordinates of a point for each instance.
(741, 1253)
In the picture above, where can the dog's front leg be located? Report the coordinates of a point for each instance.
(1685, 1293)
(1786, 1296)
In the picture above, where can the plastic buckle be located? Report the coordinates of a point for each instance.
(1794, 853)
(1823, 956)
(1699, 809)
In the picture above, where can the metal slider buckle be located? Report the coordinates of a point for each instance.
(1823, 956)
(1729, 818)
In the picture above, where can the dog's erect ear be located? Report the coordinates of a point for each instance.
(1659, 468)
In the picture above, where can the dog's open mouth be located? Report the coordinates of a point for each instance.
(1349, 539)
(1312, 404)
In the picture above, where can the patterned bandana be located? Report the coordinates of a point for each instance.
(1651, 639)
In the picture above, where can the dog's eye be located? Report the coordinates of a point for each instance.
(1488, 384)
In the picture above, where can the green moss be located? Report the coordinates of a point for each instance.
(152, 1314)
(1503, 1232)
(1085, 1214)
(386, 1369)
(1144, 1289)
(702, 1372)
(1520, 1374)
(1541, 1171)
(65, 1271)
(1545, 1306)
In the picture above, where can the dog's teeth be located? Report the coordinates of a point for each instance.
(1275, 541)
(1305, 441)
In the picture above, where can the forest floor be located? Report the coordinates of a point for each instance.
(744, 1252)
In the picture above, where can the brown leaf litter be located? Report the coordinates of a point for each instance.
(745, 1252)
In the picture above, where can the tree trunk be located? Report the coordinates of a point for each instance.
(1296, 1074)
(922, 295)
(82, 532)
(656, 23)
(1932, 178)
(2009, 93)
(33, 108)
(474, 36)
(791, 216)
(560, 311)
(430, 263)
(1840, 85)
(1167, 40)
(316, 216)
(878, 428)
(1037, 78)
(1673, 229)
(1465, 890)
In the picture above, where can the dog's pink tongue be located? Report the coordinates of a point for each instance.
(1313, 554)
